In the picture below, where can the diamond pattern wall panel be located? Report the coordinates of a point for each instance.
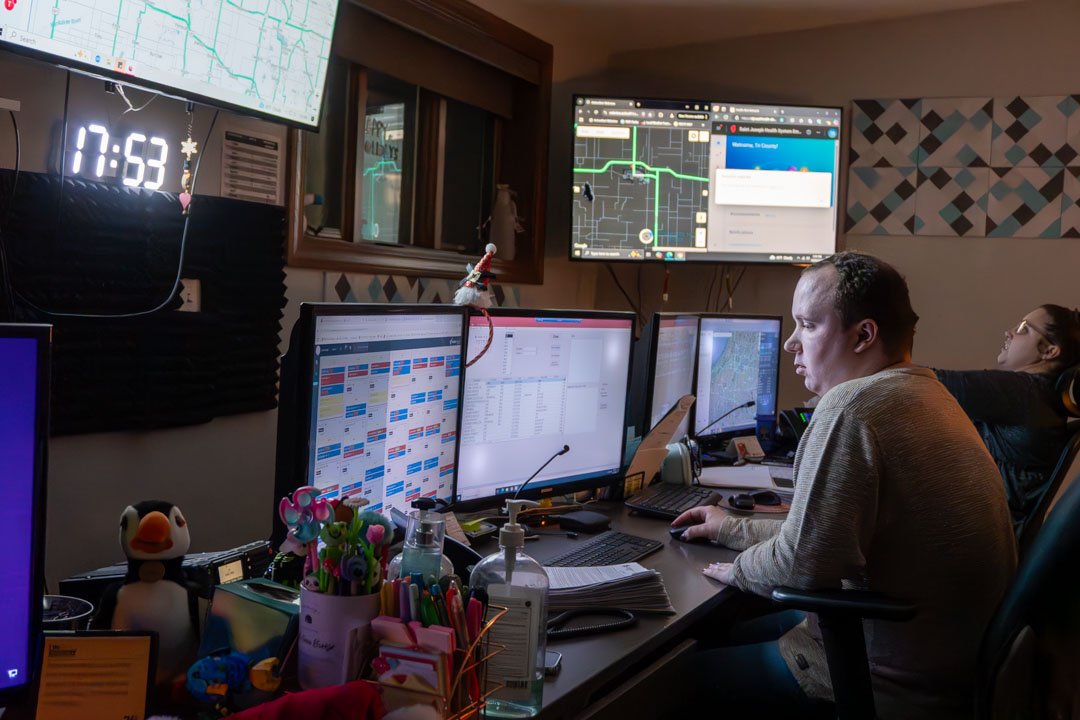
(977, 167)
(955, 132)
(884, 133)
(1025, 202)
(951, 201)
(341, 287)
(1030, 131)
(881, 201)
(1070, 204)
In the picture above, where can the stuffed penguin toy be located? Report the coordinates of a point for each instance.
(154, 594)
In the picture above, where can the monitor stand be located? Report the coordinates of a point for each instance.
(653, 450)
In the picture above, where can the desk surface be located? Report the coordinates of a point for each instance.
(592, 662)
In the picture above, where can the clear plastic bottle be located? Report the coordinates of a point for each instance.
(423, 545)
(519, 583)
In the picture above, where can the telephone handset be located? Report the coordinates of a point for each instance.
(793, 424)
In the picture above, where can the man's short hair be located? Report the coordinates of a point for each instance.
(867, 287)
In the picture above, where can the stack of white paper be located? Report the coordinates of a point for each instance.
(628, 586)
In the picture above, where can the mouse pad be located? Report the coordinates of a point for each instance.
(758, 508)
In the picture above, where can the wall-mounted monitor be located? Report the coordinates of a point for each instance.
(258, 58)
(703, 181)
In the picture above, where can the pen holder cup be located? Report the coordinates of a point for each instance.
(470, 688)
(335, 637)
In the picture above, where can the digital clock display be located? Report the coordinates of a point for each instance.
(137, 160)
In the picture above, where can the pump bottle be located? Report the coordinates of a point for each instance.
(519, 583)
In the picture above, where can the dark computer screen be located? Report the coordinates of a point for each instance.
(549, 378)
(384, 384)
(738, 361)
(24, 392)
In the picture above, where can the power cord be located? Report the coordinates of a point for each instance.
(5, 271)
(183, 236)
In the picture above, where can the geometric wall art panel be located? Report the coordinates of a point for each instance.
(1070, 154)
(358, 288)
(881, 201)
(1030, 131)
(955, 132)
(951, 202)
(884, 133)
(1000, 167)
(1070, 213)
(1025, 202)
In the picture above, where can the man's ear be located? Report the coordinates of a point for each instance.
(867, 335)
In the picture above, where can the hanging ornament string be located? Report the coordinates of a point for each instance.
(187, 148)
(490, 337)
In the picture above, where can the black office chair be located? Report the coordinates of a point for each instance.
(1029, 661)
(1068, 386)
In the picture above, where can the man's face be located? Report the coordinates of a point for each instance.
(824, 351)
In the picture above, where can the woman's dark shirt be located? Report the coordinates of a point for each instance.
(1019, 417)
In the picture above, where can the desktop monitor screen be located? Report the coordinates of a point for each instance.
(259, 58)
(384, 387)
(738, 361)
(549, 378)
(703, 180)
(674, 352)
(24, 402)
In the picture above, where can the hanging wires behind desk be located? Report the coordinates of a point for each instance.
(58, 217)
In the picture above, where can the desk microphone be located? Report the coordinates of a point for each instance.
(748, 403)
(565, 449)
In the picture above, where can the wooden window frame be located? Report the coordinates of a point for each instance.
(520, 152)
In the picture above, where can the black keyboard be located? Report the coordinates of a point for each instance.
(608, 548)
(670, 501)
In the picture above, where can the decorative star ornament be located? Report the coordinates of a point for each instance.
(188, 147)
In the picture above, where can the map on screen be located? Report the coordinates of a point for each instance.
(264, 57)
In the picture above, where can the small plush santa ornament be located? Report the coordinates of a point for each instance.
(474, 288)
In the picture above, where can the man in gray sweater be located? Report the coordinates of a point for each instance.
(895, 492)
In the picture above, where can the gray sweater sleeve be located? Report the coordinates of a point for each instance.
(833, 513)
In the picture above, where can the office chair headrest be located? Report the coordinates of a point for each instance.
(1068, 386)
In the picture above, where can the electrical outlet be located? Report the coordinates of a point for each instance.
(191, 294)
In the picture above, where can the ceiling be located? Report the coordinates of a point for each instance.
(619, 25)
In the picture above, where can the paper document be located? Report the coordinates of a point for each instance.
(628, 586)
(751, 476)
(95, 677)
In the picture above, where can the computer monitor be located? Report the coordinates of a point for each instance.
(377, 388)
(259, 59)
(669, 344)
(24, 431)
(549, 378)
(703, 180)
(738, 361)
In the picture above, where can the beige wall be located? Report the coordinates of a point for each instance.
(967, 290)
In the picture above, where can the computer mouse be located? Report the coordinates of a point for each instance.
(765, 497)
(677, 533)
(742, 501)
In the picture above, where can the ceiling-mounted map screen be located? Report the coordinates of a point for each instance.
(260, 57)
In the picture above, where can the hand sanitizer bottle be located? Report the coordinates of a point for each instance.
(515, 581)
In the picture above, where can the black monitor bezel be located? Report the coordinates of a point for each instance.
(716, 437)
(718, 261)
(309, 313)
(170, 91)
(589, 483)
(654, 347)
(11, 696)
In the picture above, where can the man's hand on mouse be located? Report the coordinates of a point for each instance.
(724, 572)
(703, 521)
